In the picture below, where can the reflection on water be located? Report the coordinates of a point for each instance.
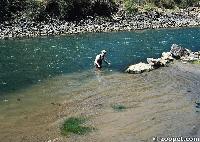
(29, 61)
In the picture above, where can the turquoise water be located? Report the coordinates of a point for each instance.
(29, 61)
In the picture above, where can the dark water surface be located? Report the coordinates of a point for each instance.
(29, 61)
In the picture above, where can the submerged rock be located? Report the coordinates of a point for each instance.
(139, 68)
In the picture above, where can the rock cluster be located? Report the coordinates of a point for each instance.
(176, 52)
(24, 27)
(151, 64)
(184, 54)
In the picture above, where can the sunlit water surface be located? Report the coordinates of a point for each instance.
(29, 61)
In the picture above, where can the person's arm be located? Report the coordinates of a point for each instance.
(106, 61)
(96, 61)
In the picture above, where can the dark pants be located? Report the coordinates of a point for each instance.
(100, 63)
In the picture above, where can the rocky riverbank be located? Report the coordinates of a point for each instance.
(176, 53)
(24, 27)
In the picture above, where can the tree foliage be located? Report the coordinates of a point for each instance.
(172, 3)
(77, 9)
(9, 8)
(131, 5)
(62, 9)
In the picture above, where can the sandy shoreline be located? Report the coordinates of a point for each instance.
(160, 103)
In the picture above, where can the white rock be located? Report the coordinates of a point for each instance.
(139, 68)
(167, 56)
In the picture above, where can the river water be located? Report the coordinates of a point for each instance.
(28, 61)
(43, 80)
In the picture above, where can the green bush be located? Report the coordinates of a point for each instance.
(104, 8)
(195, 62)
(77, 9)
(168, 4)
(149, 7)
(34, 9)
(11, 8)
(186, 3)
(73, 125)
(131, 6)
(40, 10)
(118, 107)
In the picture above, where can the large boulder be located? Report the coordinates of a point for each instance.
(198, 16)
(167, 56)
(193, 56)
(139, 68)
(156, 63)
(178, 51)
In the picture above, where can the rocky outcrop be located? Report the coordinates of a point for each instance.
(167, 56)
(193, 56)
(176, 52)
(184, 54)
(139, 68)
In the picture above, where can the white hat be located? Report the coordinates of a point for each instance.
(103, 51)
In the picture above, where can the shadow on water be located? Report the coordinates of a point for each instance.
(29, 61)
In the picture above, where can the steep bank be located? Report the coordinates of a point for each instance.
(121, 21)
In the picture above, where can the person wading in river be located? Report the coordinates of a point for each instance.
(99, 59)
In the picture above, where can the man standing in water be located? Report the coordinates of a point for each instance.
(99, 59)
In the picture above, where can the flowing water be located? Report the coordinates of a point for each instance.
(43, 80)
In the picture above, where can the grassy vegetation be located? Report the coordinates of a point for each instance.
(74, 125)
(148, 5)
(130, 6)
(196, 62)
(119, 107)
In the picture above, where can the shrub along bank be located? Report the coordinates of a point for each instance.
(73, 10)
